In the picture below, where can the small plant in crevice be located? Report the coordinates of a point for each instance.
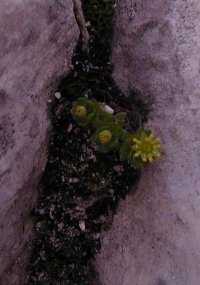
(138, 149)
(81, 186)
(85, 111)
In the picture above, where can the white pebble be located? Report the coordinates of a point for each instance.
(82, 226)
(70, 127)
(58, 95)
(70, 180)
(88, 24)
(106, 108)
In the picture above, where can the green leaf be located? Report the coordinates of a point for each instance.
(123, 152)
(124, 135)
(120, 118)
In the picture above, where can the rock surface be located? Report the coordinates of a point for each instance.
(37, 39)
(155, 239)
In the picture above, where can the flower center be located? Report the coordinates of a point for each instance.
(105, 136)
(80, 111)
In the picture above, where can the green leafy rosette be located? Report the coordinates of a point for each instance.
(107, 137)
(85, 111)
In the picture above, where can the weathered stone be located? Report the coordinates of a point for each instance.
(37, 39)
(155, 238)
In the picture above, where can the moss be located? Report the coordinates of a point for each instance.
(81, 187)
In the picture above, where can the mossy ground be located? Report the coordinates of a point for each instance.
(81, 187)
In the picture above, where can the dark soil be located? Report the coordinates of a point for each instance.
(81, 187)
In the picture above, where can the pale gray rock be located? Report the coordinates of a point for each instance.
(155, 239)
(37, 39)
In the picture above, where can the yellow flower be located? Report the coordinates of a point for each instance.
(105, 136)
(80, 111)
(146, 147)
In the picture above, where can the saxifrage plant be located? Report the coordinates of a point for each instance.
(138, 149)
(85, 111)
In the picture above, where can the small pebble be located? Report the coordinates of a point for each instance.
(88, 24)
(75, 180)
(93, 157)
(61, 226)
(82, 226)
(118, 168)
(41, 211)
(106, 108)
(58, 95)
(51, 215)
(52, 208)
(80, 209)
(70, 127)
(42, 254)
(97, 235)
